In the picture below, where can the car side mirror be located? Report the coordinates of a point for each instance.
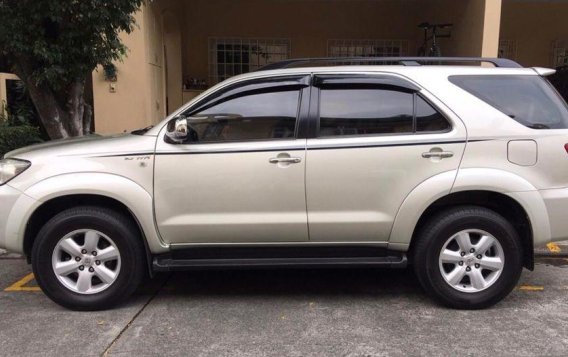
(177, 131)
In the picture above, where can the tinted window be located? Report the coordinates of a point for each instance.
(249, 116)
(428, 118)
(365, 111)
(530, 100)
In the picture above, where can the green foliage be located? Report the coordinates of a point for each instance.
(15, 137)
(60, 41)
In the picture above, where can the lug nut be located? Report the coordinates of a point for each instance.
(94, 254)
(468, 269)
(460, 263)
(479, 256)
(472, 250)
(84, 251)
(477, 266)
(98, 262)
(77, 259)
(462, 254)
(92, 270)
(81, 268)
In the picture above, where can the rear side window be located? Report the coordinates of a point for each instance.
(530, 100)
(365, 111)
(375, 111)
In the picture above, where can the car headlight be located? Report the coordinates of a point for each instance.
(10, 168)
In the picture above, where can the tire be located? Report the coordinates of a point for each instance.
(437, 276)
(114, 233)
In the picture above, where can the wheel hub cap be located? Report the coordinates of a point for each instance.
(471, 260)
(86, 261)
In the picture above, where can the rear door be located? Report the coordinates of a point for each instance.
(376, 138)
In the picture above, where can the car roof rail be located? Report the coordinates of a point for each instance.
(405, 61)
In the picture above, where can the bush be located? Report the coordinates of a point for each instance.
(15, 137)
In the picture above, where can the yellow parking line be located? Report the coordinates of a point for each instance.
(531, 288)
(553, 248)
(20, 285)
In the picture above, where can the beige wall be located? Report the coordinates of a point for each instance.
(140, 97)
(534, 26)
(3, 91)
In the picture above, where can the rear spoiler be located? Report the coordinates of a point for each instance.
(544, 72)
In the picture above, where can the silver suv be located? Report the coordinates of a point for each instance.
(459, 170)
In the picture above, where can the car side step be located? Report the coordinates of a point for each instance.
(167, 263)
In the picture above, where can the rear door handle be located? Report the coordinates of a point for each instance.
(286, 160)
(439, 154)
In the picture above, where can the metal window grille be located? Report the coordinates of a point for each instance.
(367, 48)
(560, 53)
(231, 56)
(507, 49)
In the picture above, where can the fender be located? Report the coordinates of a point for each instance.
(132, 195)
(471, 179)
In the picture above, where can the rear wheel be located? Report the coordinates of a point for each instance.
(88, 258)
(468, 257)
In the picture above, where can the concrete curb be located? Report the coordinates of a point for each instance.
(558, 249)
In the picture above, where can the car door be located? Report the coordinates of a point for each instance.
(240, 175)
(376, 138)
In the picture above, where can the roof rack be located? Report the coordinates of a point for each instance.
(405, 61)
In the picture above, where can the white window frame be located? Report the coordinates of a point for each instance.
(242, 55)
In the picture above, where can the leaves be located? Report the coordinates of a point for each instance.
(64, 39)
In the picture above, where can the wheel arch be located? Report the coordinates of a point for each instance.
(491, 188)
(100, 189)
(500, 203)
(49, 209)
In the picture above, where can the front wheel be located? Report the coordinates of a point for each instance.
(88, 258)
(468, 257)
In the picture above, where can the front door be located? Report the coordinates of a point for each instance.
(240, 175)
(379, 137)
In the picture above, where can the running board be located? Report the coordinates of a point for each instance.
(167, 263)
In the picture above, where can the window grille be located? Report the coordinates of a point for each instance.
(232, 56)
(560, 53)
(367, 48)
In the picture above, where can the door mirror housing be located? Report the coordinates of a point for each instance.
(177, 131)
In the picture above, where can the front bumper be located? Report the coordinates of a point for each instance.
(15, 207)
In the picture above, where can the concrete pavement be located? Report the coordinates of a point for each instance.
(288, 313)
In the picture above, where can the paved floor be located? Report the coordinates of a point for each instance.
(287, 313)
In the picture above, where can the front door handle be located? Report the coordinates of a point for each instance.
(285, 160)
(437, 154)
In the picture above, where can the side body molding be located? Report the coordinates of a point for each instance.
(132, 195)
(471, 179)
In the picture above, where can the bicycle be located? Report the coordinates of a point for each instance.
(431, 34)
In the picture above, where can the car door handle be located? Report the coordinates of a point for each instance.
(439, 154)
(286, 160)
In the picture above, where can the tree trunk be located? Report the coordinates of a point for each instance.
(63, 114)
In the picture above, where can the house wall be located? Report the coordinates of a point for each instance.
(534, 25)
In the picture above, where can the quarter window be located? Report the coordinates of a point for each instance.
(250, 116)
(529, 100)
(428, 118)
(373, 111)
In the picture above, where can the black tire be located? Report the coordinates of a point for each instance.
(431, 240)
(113, 224)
